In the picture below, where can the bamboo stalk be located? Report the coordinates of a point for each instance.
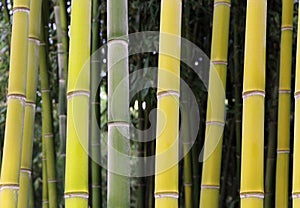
(62, 90)
(118, 103)
(252, 168)
(76, 179)
(215, 120)
(166, 191)
(45, 201)
(47, 131)
(284, 100)
(95, 111)
(11, 161)
(296, 167)
(31, 87)
(187, 160)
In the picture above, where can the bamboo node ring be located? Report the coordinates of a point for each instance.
(285, 28)
(76, 195)
(48, 135)
(21, 98)
(172, 195)
(283, 151)
(21, 9)
(78, 93)
(167, 93)
(35, 40)
(217, 187)
(219, 63)
(296, 195)
(224, 3)
(118, 124)
(26, 170)
(252, 195)
(9, 186)
(253, 93)
(284, 91)
(216, 123)
(297, 95)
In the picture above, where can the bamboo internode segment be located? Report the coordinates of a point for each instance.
(215, 123)
(76, 180)
(252, 174)
(283, 130)
(10, 171)
(296, 161)
(31, 87)
(49, 171)
(166, 164)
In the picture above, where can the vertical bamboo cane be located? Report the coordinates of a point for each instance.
(45, 201)
(118, 103)
(210, 184)
(31, 87)
(95, 111)
(10, 172)
(252, 168)
(47, 131)
(296, 161)
(284, 105)
(166, 176)
(76, 179)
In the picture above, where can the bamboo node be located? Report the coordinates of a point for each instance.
(9, 186)
(52, 181)
(187, 184)
(216, 123)
(96, 186)
(223, 3)
(21, 98)
(78, 93)
(45, 91)
(168, 93)
(45, 202)
(253, 93)
(219, 63)
(42, 43)
(287, 28)
(35, 40)
(296, 195)
(30, 104)
(21, 9)
(297, 95)
(283, 151)
(252, 195)
(76, 195)
(284, 91)
(217, 187)
(172, 195)
(26, 170)
(62, 81)
(118, 124)
(48, 136)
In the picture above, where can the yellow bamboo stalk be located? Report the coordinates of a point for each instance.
(76, 178)
(252, 167)
(283, 132)
(166, 166)
(10, 172)
(296, 161)
(210, 184)
(31, 87)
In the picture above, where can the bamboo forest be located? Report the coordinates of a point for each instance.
(148, 103)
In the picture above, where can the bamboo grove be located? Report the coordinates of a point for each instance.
(148, 103)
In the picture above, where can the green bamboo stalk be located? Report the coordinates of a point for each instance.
(47, 131)
(296, 156)
(62, 90)
(60, 20)
(45, 201)
(94, 131)
(31, 87)
(187, 160)
(118, 103)
(12, 149)
(210, 183)
(284, 106)
(252, 166)
(76, 179)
